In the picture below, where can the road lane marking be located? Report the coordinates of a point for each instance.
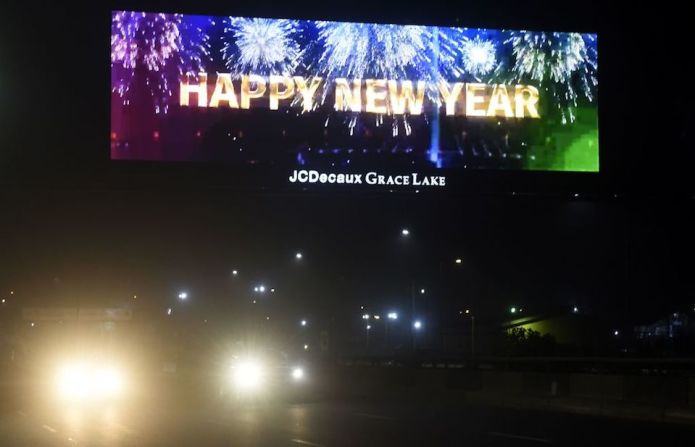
(299, 441)
(520, 437)
(49, 428)
(375, 416)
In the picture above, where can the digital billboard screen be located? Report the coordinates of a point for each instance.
(328, 102)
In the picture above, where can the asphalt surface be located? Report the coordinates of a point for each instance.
(185, 421)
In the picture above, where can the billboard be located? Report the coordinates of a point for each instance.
(338, 102)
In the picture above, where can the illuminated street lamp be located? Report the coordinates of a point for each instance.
(422, 291)
(377, 317)
(183, 296)
(575, 309)
(303, 323)
(392, 316)
(616, 332)
(365, 317)
(298, 255)
(458, 260)
(235, 272)
(513, 310)
(259, 289)
(169, 311)
(405, 232)
(306, 347)
(369, 327)
(417, 325)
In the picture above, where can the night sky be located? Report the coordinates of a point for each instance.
(77, 228)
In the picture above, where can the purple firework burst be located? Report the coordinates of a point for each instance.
(160, 47)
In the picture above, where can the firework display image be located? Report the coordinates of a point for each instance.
(297, 94)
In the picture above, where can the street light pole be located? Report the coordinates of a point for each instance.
(472, 335)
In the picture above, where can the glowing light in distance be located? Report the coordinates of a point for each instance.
(392, 316)
(377, 317)
(422, 291)
(459, 260)
(306, 347)
(405, 232)
(298, 255)
(235, 272)
(183, 295)
(417, 324)
(303, 322)
(369, 326)
(365, 317)
(512, 310)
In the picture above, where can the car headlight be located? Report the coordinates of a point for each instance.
(297, 374)
(83, 381)
(247, 375)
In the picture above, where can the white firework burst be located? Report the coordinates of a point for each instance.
(479, 56)
(261, 46)
(358, 49)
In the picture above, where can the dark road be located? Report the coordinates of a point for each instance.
(320, 423)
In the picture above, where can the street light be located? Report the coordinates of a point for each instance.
(405, 232)
(365, 317)
(459, 260)
(183, 296)
(575, 309)
(169, 311)
(235, 272)
(512, 310)
(306, 347)
(422, 291)
(616, 332)
(369, 326)
(392, 316)
(259, 289)
(303, 322)
(298, 255)
(417, 325)
(377, 317)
